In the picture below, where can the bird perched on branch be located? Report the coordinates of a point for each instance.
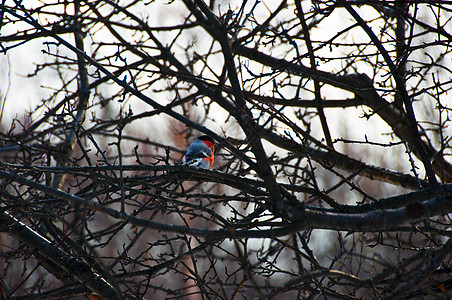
(200, 153)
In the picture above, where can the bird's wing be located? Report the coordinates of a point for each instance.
(197, 154)
(198, 150)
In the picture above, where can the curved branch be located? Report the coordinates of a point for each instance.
(362, 86)
(79, 270)
(413, 125)
(301, 217)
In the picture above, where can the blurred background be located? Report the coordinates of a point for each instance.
(325, 104)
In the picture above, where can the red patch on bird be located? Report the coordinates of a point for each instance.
(210, 145)
(209, 159)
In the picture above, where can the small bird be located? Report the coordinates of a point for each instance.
(200, 153)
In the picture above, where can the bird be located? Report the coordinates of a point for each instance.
(200, 154)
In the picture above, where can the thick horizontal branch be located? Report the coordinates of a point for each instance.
(335, 159)
(301, 217)
(376, 220)
(327, 103)
(249, 185)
